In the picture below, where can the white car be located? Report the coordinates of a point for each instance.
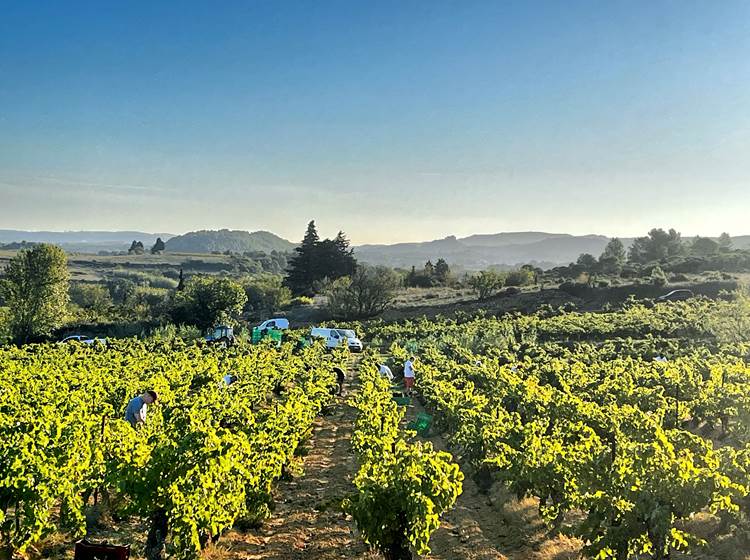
(83, 339)
(336, 337)
(279, 323)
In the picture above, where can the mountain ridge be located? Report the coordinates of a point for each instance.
(474, 252)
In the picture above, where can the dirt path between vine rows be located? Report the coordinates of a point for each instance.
(307, 521)
(492, 526)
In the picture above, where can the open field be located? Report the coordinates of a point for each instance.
(94, 268)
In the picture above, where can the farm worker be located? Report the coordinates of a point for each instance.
(409, 374)
(385, 371)
(340, 377)
(229, 379)
(135, 413)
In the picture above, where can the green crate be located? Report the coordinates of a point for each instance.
(257, 335)
(421, 423)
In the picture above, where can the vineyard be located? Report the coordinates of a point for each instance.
(624, 425)
(626, 428)
(206, 459)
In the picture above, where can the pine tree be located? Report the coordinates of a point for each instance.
(442, 272)
(345, 262)
(136, 248)
(317, 260)
(302, 271)
(158, 247)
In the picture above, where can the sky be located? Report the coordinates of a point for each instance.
(393, 121)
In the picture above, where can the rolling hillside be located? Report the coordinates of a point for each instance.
(480, 251)
(236, 241)
(471, 253)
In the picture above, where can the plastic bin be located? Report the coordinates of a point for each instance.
(258, 334)
(421, 424)
(401, 400)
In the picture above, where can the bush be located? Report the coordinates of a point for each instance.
(658, 278)
(266, 293)
(171, 332)
(141, 278)
(300, 301)
(4, 325)
(368, 292)
(521, 277)
(207, 301)
(35, 289)
(486, 283)
(93, 300)
(121, 290)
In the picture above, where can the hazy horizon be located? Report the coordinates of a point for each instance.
(393, 122)
(325, 232)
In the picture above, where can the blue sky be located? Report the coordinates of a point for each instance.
(394, 121)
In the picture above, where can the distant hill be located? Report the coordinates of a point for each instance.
(475, 252)
(507, 249)
(741, 242)
(481, 251)
(509, 238)
(83, 241)
(208, 241)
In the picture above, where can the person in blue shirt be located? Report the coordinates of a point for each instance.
(135, 413)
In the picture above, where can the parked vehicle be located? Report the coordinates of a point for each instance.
(337, 337)
(83, 339)
(221, 334)
(676, 295)
(278, 323)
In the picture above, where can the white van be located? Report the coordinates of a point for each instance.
(279, 323)
(337, 337)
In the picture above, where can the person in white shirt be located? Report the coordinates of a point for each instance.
(409, 375)
(385, 371)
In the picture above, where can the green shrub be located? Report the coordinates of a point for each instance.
(266, 293)
(92, 302)
(521, 277)
(4, 325)
(171, 332)
(366, 293)
(207, 301)
(658, 278)
(300, 301)
(486, 283)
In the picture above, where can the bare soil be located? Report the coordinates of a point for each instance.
(307, 521)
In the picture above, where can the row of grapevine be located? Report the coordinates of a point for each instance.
(597, 427)
(707, 321)
(206, 458)
(403, 487)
